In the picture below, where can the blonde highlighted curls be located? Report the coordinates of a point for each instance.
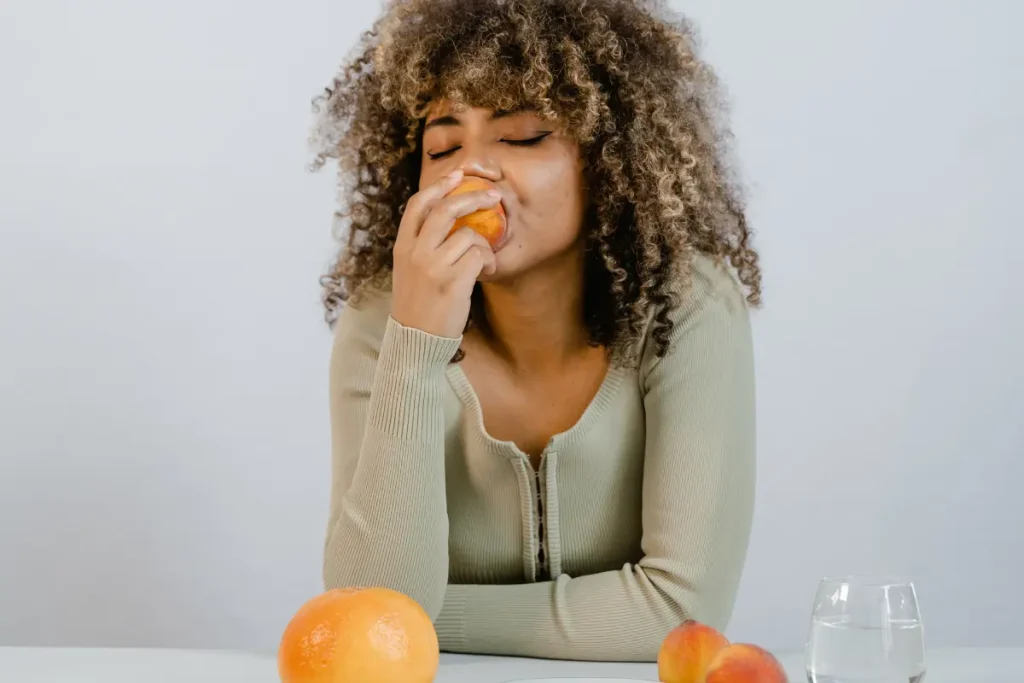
(622, 75)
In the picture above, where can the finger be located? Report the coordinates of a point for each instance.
(419, 205)
(452, 249)
(473, 263)
(490, 262)
(444, 214)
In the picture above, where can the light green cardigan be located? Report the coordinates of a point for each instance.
(646, 503)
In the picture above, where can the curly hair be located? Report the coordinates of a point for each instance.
(622, 76)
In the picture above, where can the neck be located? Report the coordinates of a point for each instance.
(536, 320)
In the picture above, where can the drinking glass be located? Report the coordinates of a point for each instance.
(865, 630)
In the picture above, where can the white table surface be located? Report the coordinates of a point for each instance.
(88, 665)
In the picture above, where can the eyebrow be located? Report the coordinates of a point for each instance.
(450, 120)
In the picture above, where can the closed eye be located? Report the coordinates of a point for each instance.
(530, 142)
(446, 153)
(527, 143)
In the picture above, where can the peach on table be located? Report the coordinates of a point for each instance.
(697, 653)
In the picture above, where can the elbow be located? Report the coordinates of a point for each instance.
(708, 596)
(343, 569)
(681, 599)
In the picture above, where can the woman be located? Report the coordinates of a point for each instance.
(550, 444)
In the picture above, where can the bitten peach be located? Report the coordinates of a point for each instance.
(488, 222)
(744, 663)
(687, 652)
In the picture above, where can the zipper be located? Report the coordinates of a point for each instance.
(543, 573)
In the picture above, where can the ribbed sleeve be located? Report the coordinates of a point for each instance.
(388, 524)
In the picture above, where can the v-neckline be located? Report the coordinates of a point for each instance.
(467, 395)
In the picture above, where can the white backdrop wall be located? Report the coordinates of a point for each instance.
(163, 426)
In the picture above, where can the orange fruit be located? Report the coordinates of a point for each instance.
(359, 635)
(488, 222)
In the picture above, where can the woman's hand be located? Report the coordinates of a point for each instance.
(434, 274)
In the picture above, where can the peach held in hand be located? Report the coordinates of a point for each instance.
(488, 222)
(687, 652)
(743, 663)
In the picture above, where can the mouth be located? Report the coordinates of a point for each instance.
(506, 233)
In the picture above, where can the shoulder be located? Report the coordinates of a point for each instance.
(360, 324)
(713, 288)
(711, 306)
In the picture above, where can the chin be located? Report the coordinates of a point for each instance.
(510, 263)
(499, 275)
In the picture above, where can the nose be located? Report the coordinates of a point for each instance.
(476, 160)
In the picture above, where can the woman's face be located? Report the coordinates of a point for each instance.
(530, 161)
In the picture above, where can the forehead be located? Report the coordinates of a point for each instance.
(439, 107)
(445, 107)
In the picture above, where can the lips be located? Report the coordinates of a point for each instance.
(507, 234)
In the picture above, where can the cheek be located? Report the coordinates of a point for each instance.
(427, 176)
(553, 196)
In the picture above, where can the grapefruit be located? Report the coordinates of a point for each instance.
(359, 635)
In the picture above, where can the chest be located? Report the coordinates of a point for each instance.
(577, 512)
(530, 409)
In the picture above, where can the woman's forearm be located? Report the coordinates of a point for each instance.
(389, 524)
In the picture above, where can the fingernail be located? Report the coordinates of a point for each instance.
(455, 175)
(494, 193)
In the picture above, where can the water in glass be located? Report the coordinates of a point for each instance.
(865, 631)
